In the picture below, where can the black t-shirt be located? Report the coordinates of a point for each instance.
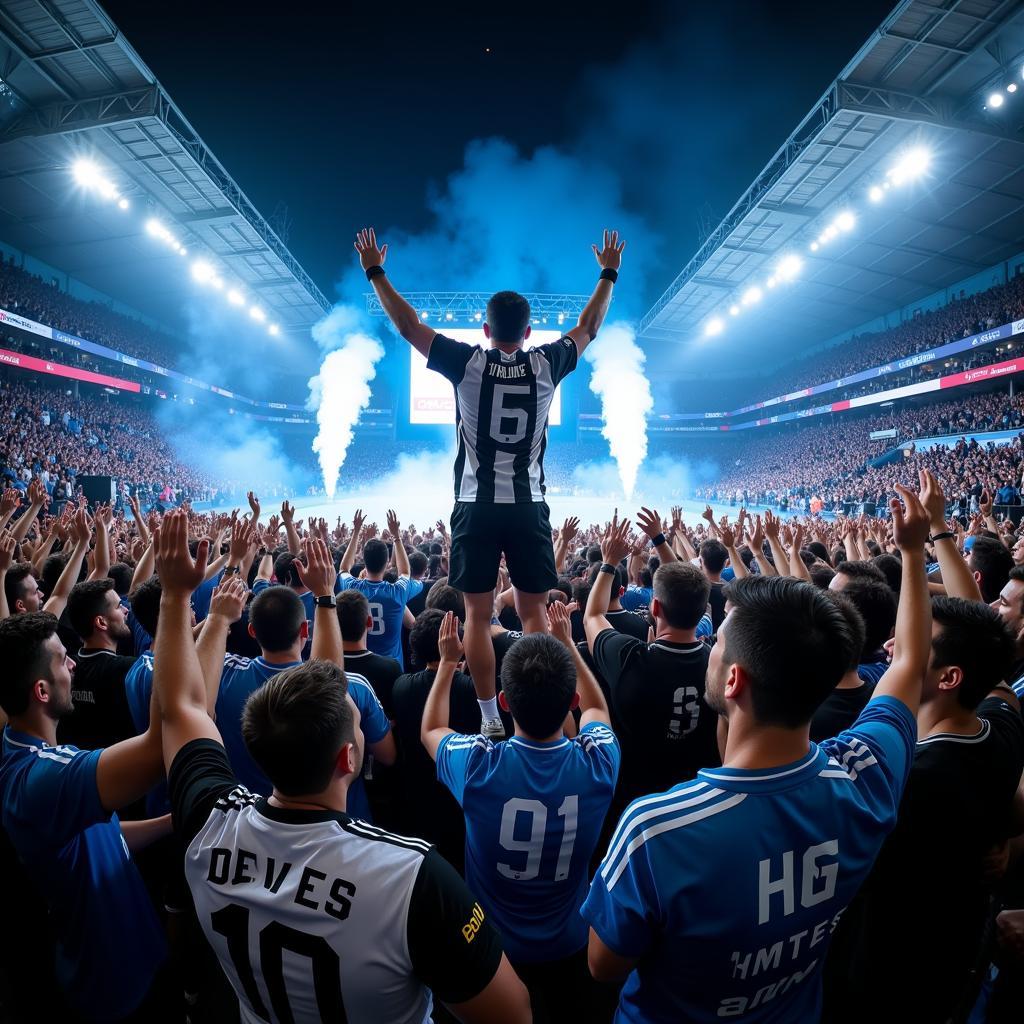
(716, 601)
(839, 711)
(220, 822)
(381, 673)
(666, 730)
(923, 908)
(101, 717)
(426, 806)
(629, 623)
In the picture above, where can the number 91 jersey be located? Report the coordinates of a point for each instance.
(502, 401)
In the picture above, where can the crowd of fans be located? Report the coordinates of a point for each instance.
(173, 621)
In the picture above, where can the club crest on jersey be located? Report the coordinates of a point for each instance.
(474, 924)
(507, 357)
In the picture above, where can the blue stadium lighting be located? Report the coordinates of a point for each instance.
(788, 267)
(424, 315)
(714, 326)
(123, 203)
(734, 311)
(1012, 87)
(235, 297)
(996, 100)
(274, 330)
(752, 295)
(912, 164)
(257, 314)
(845, 221)
(203, 272)
(876, 194)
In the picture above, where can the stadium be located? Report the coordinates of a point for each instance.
(315, 537)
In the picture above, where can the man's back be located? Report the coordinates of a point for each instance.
(387, 606)
(727, 887)
(315, 916)
(102, 716)
(502, 401)
(379, 671)
(533, 815)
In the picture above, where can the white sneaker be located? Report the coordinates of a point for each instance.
(492, 728)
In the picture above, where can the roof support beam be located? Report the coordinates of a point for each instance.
(78, 115)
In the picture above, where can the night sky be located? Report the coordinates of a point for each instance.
(348, 114)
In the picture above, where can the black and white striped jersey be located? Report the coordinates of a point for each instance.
(501, 415)
(316, 916)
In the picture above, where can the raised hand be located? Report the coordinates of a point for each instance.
(798, 536)
(287, 512)
(756, 538)
(228, 600)
(910, 521)
(985, 504)
(7, 545)
(772, 524)
(609, 256)
(179, 573)
(559, 623)
(254, 504)
(357, 520)
(448, 643)
(37, 492)
(441, 528)
(318, 574)
(726, 534)
(708, 515)
(394, 527)
(649, 521)
(570, 528)
(369, 253)
(933, 500)
(615, 544)
(80, 528)
(243, 533)
(10, 501)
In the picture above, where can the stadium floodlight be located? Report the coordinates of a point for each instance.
(449, 316)
(479, 316)
(424, 315)
(1012, 87)
(123, 203)
(771, 282)
(155, 228)
(734, 311)
(86, 173)
(912, 164)
(815, 246)
(714, 326)
(257, 314)
(274, 330)
(235, 297)
(996, 100)
(876, 194)
(788, 268)
(203, 272)
(846, 221)
(752, 295)
(561, 318)
(217, 283)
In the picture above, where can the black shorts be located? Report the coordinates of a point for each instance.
(481, 533)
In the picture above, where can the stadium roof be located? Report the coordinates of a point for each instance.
(921, 80)
(71, 86)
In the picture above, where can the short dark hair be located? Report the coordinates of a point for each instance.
(793, 641)
(854, 620)
(594, 556)
(992, 559)
(646, 578)
(973, 638)
(145, 602)
(447, 599)
(375, 555)
(538, 678)
(892, 569)
(418, 563)
(276, 616)
(822, 574)
(85, 602)
(14, 583)
(21, 653)
(508, 316)
(619, 581)
(353, 611)
(296, 723)
(861, 569)
(682, 590)
(819, 549)
(877, 606)
(714, 555)
(121, 573)
(284, 570)
(424, 635)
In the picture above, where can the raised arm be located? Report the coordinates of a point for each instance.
(102, 519)
(565, 537)
(434, 724)
(8, 505)
(650, 522)
(140, 519)
(397, 547)
(614, 546)
(797, 566)
(37, 497)
(57, 601)
(728, 537)
(178, 683)
(349, 558)
(288, 518)
(144, 567)
(404, 318)
(226, 608)
(609, 259)
(318, 575)
(957, 577)
(912, 649)
(7, 545)
(756, 545)
(593, 706)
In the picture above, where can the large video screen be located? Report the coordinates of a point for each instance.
(431, 396)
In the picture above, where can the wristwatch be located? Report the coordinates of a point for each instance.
(327, 601)
(230, 570)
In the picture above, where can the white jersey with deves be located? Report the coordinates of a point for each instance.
(282, 903)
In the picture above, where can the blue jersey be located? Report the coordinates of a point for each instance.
(871, 672)
(109, 940)
(534, 812)
(308, 600)
(727, 888)
(138, 688)
(636, 597)
(387, 607)
(243, 676)
(202, 596)
(141, 639)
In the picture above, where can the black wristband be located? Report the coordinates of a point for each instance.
(372, 272)
(606, 275)
(659, 540)
(942, 536)
(609, 568)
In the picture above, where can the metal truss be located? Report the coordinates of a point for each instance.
(469, 306)
(79, 115)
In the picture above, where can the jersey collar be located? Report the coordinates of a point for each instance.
(768, 780)
(298, 816)
(522, 741)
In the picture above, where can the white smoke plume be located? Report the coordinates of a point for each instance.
(618, 379)
(341, 390)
